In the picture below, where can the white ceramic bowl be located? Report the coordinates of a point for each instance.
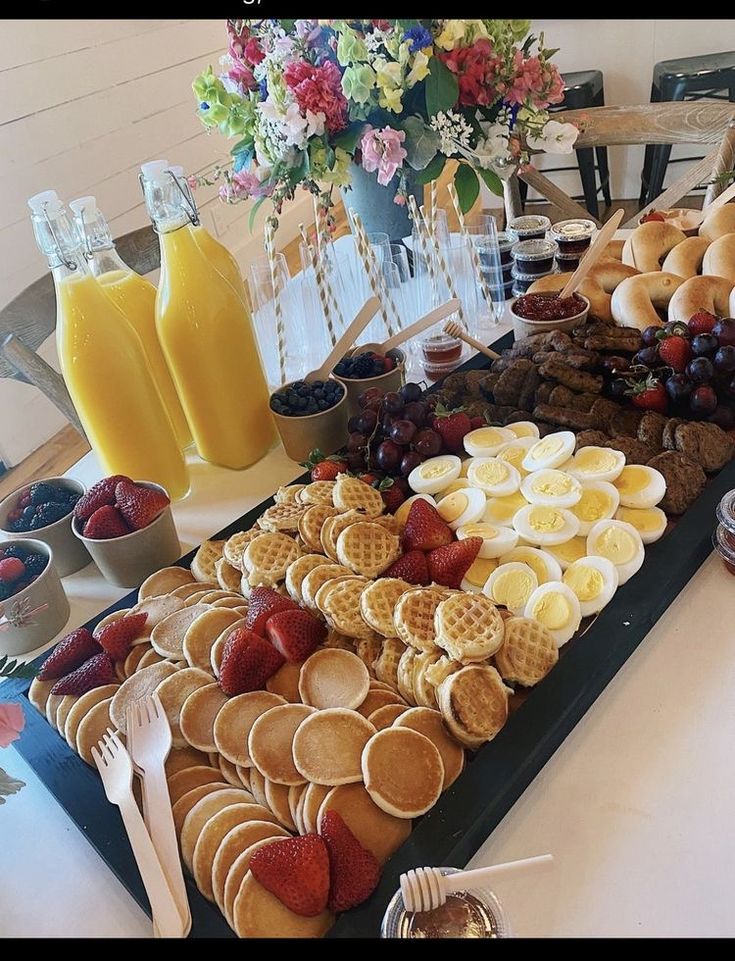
(38, 629)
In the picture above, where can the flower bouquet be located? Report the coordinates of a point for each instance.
(308, 99)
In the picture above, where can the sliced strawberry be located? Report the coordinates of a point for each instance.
(139, 505)
(296, 634)
(95, 672)
(702, 322)
(296, 871)
(106, 522)
(354, 871)
(117, 638)
(411, 567)
(263, 602)
(71, 651)
(247, 662)
(448, 565)
(425, 529)
(100, 494)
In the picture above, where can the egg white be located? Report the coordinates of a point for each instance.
(500, 541)
(544, 565)
(421, 484)
(582, 464)
(502, 510)
(569, 528)
(508, 569)
(474, 510)
(509, 484)
(610, 494)
(609, 573)
(538, 457)
(531, 483)
(466, 464)
(649, 495)
(628, 514)
(514, 452)
(566, 631)
(401, 515)
(626, 569)
(486, 441)
(524, 428)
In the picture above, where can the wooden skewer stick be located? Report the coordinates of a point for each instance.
(593, 254)
(457, 330)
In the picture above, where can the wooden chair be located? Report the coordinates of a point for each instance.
(30, 318)
(691, 122)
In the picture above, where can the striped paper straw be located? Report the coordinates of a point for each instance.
(448, 279)
(320, 284)
(277, 306)
(422, 238)
(452, 190)
(368, 260)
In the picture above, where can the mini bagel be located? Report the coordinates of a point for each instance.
(635, 301)
(720, 257)
(685, 260)
(701, 293)
(649, 244)
(596, 287)
(614, 250)
(718, 223)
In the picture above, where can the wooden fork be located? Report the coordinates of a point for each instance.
(457, 330)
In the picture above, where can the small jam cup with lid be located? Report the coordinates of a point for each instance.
(573, 236)
(529, 227)
(534, 256)
(440, 354)
(723, 539)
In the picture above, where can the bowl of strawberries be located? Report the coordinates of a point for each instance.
(128, 528)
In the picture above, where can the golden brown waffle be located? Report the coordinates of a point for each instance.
(314, 580)
(378, 602)
(281, 517)
(339, 641)
(367, 549)
(298, 570)
(385, 664)
(228, 577)
(351, 494)
(389, 522)
(474, 704)
(341, 608)
(288, 494)
(318, 492)
(202, 566)
(424, 692)
(404, 675)
(368, 649)
(528, 652)
(310, 524)
(266, 559)
(440, 670)
(414, 617)
(235, 546)
(321, 595)
(468, 627)
(333, 527)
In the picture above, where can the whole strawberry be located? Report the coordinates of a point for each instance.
(248, 660)
(139, 505)
(106, 522)
(95, 672)
(100, 494)
(262, 603)
(425, 529)
(118, 636)
(354, 871)
(650, 394)
(296, 634)
(392, 494)
(410, 567)
(452, 425)
(296, 871)
(324, 468)
(448, 565)
(702, 322)
(675, 352)
(71, 651)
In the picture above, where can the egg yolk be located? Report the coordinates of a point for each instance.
(513, 455)
(641, 519)
(592, 505)
(552, 610)
(523, 430)
(553, 485)
(480, 530)
(486, 437)
(545, 519)
(547, 447)
(586, 582)
(591, 461)
(535, 563)
(513, 588)
(432, 470)
(452, 506)
(632, 479)
(502, 509)
(480, 570)
(615, 544)
(491, 472)
(571, 550)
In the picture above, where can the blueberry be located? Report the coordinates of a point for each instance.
(300, 403)
(28, 513)
(319, 394)
(297, 385)
(323, 404)
(35, 564)
(292, 397)
(317, 384)
(311, 407)
(5, 591)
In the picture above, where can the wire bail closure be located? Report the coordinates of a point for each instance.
(69, 264)
(193, 213)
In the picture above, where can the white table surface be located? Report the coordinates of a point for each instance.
(635, 806)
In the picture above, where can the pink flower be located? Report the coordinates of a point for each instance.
(535, 82)
(192, 181)
(12, 723)
(318, 89)
(253, 52)
(242, 74)
(382, 151)
(400, 200)
(244, 184)
(476, 70)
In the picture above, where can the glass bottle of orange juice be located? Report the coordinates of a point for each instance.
(103, 363)
(136, 298)
(207, 335)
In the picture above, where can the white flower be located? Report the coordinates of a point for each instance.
(491, 151)
(453, 130)
(315, 127)
(555, 137)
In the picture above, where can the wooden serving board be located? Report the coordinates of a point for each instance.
(492, 781)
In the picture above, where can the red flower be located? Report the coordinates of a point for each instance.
(476, 70)
(318, 89)
(253, 52)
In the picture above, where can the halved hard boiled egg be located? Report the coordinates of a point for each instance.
(544, 565)
(466, 464)
(511, 585)
(594, 580)
(551, 487)
(434, 474)
(514, 453)
(495, 540)
(620, 543)
(524, 428)
(640, 486)
(550, 451)
(463, 506)
(541, 525)
(401, 515)
(455, 485)
(598, 502)
(502, 510)
(494, 476)
(596, 463)
(479, 571)
(650, 522)
(486, 441)
(569, 551)
(555, 605)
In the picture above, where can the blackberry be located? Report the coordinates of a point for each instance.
(48, 514)
(42, 493)
(35, 564)
(15, 550)
(363, 366)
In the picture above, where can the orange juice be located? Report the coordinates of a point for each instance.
(221, 258)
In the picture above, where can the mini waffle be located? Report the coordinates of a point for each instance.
(423, 691)
(351, 494)
(164, 581)
(414, 618)
(404, 675)
(333, 678)
(234, 721)
(318, 492)
(474, 704)
(341, 607)
(288, 494)
(328, 746)
(468, 627)
(368, 650)
(310, 524)
(198, 715)
(326, 589)
(203, 632)
(389, 522)
(403, 772)
(167, 638)
(378, 601)
(379, 832)
(335, 639)
(430, 723)
(298, 570)
(385, 664)
(228, 577)
(316, 578)
(439, 670)
(281, 517)
(202, 566)
(140, 685)
(266, 558)
(333, 527)
(234, 547)
(528, 652)
(367, 549)
(270, 742)
(173, 691)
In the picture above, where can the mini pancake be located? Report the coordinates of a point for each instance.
(185, 780)
(212, 835)
(38, 693)
(205, 809)
(198, 715)
(119, 667)
(185, 803)
(328, 746)
(277, 797)
(429, 723)
(217, 595)
(237, 871)
(156, 610)
(257, 786)
(203, 632)
(52, 706)
(109, 619)
(256, 913)
(234, 722)
(380, 833)
(82, 706)
(67, 703)
(270, 742)
(313, 797)
(150, 657)
(378, 697)
(195, 587)
(167, 637)
(229, 771)
(92, 728)
(333, 678)
(181, 758)
(237, 840)
(139, 685)
(298, 812)
(403, 772)
(285, 682)
(230, 603)
(384, 716)
(173, 692)
(131, 662)
(228, 576)
(164, 581)
(244, 774)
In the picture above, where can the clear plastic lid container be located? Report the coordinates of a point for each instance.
(572, 231)
(723, 542)
(726, 512)
(517, 274)
(528, 226)
(534, 250)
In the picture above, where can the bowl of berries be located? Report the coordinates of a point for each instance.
(310, 415)
(33, 605)
(44, 510)
(128, 528)
(366, 368)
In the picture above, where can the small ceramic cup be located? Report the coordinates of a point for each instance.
(326, 430)
(70, 554)
(126, 561)
(525, 328)
(391, 380)
(27, 631)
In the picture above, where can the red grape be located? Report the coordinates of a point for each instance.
(402, 484)
(393, 402)
(427, 442)
(704, 345)
(724, 331)
(700, 370)
(402, 431)
(649, 336)
(366, 421)
(410, 460)
(724, 417)
(703, 400)
(411, 392)
(724, 359)
(615, 365)
(353, 423)
(388, 456)
(416, 410)
(355, 442)
(356, 461)
(368, 397)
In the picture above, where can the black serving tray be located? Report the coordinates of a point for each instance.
(470, 810)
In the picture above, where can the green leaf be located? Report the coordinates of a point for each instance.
(468, 186)
(491, 180)
(9, 785)
(253, 213)
(442, 90)
(421, 142)
(13, 668)
(431, 171)
(348, 138)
